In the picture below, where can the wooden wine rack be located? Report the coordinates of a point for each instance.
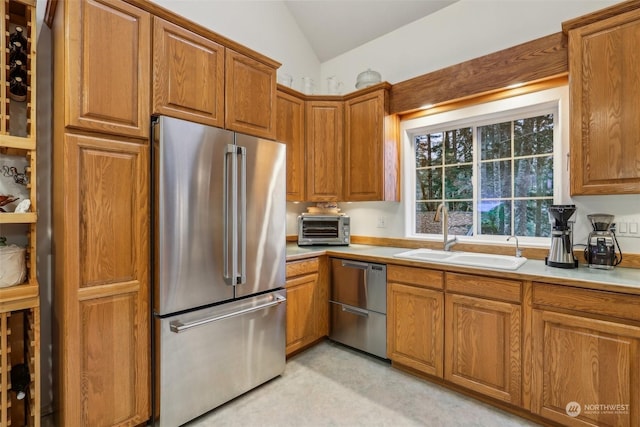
(20, 304)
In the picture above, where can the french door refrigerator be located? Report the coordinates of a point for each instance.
(219, 266)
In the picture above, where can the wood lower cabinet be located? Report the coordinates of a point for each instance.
(324, 143)
(482, 336)
(371, 151)
(415, 318)
(250, 95)
(307, 303)
(586, 371)
(101, 311)
(586, 347)
(188, 75)
(106, 70)
(290, 128)
(605, 106)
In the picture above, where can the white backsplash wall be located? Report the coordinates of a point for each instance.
(367, 216)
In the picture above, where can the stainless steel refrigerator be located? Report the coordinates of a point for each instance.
(219, 266)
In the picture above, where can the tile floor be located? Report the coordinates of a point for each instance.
(332, 385)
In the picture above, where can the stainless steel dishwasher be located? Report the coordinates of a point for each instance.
(358, 305)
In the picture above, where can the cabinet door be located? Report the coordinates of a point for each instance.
(108, 67)
(415, 327)
(586, 372)
(290, 130)
(482, 346)
(188, 75)
(324, 150)
(250, 96)
(605, 106)
(102, 290)
(302, 315)
(371, 165)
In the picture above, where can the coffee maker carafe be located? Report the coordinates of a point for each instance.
(601, 251)
(561, 250)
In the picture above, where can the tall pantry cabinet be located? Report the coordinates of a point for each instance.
(101, 109)
(19, 293)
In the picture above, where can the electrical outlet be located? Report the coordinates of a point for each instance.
(628, 226)
(382, 222)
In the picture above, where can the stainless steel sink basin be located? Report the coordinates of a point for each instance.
(503, 262)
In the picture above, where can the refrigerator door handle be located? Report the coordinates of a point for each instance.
(177, 326)
(242, 233)
(230, 216)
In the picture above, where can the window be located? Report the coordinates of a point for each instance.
(496, 171)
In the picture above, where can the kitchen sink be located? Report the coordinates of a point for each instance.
(425, 255)
(503, 262)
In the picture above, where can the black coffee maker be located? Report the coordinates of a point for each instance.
(601, 243)
(561, 250)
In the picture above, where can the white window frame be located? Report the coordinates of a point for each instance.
(556, 98)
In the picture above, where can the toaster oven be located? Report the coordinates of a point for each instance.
(323, 229)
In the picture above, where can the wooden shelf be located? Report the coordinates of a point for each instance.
(20, 304)
(19, 297)
(18, 218)
(18, 142)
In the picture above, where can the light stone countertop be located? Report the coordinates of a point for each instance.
(619, 279)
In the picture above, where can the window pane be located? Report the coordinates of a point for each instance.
(458, 146)
(534, 177)
(495, 217)
(533, 135)
(460, 218)
(531, 218)
(458, 183)
(429, 184)
(429, 150)
(495, 141)
(424, 218)
(495, 179)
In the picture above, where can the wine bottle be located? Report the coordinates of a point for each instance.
(18, 36)
(20, 380)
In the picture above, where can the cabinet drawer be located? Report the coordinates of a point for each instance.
(587, 300)
(305, 266)
(491, 287)
(415, 276)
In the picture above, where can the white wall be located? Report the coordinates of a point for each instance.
(264, 26)
(462, 31)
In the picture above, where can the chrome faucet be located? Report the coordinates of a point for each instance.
(518, 251)
(442, 210)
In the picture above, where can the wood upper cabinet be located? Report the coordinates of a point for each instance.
(415, 318)
(290, 128)
(605, 104)
(371, 154)
(307, 303)
(107, 66)
(482, 337)
(101, 218)
(586, 347)
(250, 95)
(188, 75)
(324, 140)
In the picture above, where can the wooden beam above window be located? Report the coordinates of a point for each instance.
(536, 60)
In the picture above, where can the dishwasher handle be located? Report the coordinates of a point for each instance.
(355, 264)
(177, 326)
(356, 311)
